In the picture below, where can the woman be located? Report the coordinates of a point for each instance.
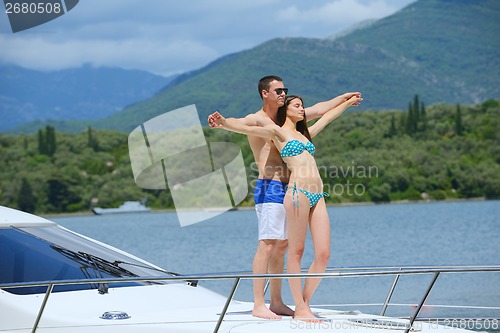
(304, 201)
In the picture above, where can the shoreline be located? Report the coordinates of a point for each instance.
(329, 205)
(404, 202)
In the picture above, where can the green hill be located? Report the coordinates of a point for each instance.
(444, 50)
(452, 44)
(362, 157)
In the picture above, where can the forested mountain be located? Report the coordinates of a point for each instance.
(85, 93)
(443, 50)
(429, 153)
(449, 43)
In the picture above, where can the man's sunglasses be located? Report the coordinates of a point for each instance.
(279, 91)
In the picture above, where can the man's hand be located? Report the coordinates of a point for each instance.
(216, 120)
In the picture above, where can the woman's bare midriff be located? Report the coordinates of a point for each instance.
(304, 173)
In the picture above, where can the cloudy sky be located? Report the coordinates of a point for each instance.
(170, 37)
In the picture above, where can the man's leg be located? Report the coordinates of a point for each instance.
(259, 266)
(276, 266)
(271, 249)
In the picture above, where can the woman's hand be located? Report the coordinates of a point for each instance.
(349, 96)
(354, 100)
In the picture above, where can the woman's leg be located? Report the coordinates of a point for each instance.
(297, 218)
(320, 234)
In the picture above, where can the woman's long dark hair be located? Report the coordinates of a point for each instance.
(301, 126)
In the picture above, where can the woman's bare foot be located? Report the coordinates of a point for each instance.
(263, 312)
(281, 309)
(305, 314)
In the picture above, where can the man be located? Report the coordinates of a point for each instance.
(269, 193)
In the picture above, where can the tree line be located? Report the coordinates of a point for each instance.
(423, 153)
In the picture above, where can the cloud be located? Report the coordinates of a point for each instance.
(151, 55)
(167, 37)
(340, 12)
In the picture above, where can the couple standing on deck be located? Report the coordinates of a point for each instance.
(287, 200)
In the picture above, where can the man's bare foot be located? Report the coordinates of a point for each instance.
(306, 315)
(281, 309)
(263, 312)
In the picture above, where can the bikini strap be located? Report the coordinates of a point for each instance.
(295, 195)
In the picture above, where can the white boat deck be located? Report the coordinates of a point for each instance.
(219, 314)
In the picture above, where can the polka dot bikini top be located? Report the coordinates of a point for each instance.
(295, 147)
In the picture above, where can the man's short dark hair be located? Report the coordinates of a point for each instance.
(265, 81)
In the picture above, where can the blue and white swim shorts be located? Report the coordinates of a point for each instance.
(268, 196)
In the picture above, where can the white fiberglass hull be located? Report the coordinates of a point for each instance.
(177, 308)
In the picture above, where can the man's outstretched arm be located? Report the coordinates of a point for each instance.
(319, 109)
(238, 125)
(249, 120)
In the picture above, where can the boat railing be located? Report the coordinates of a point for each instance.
(338, 272)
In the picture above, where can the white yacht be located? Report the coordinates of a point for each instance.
(126, 207)
(54, 280)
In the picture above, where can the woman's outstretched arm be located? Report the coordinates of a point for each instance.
(329, 116)
(319, 109)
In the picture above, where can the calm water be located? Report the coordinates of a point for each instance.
(459, 233)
